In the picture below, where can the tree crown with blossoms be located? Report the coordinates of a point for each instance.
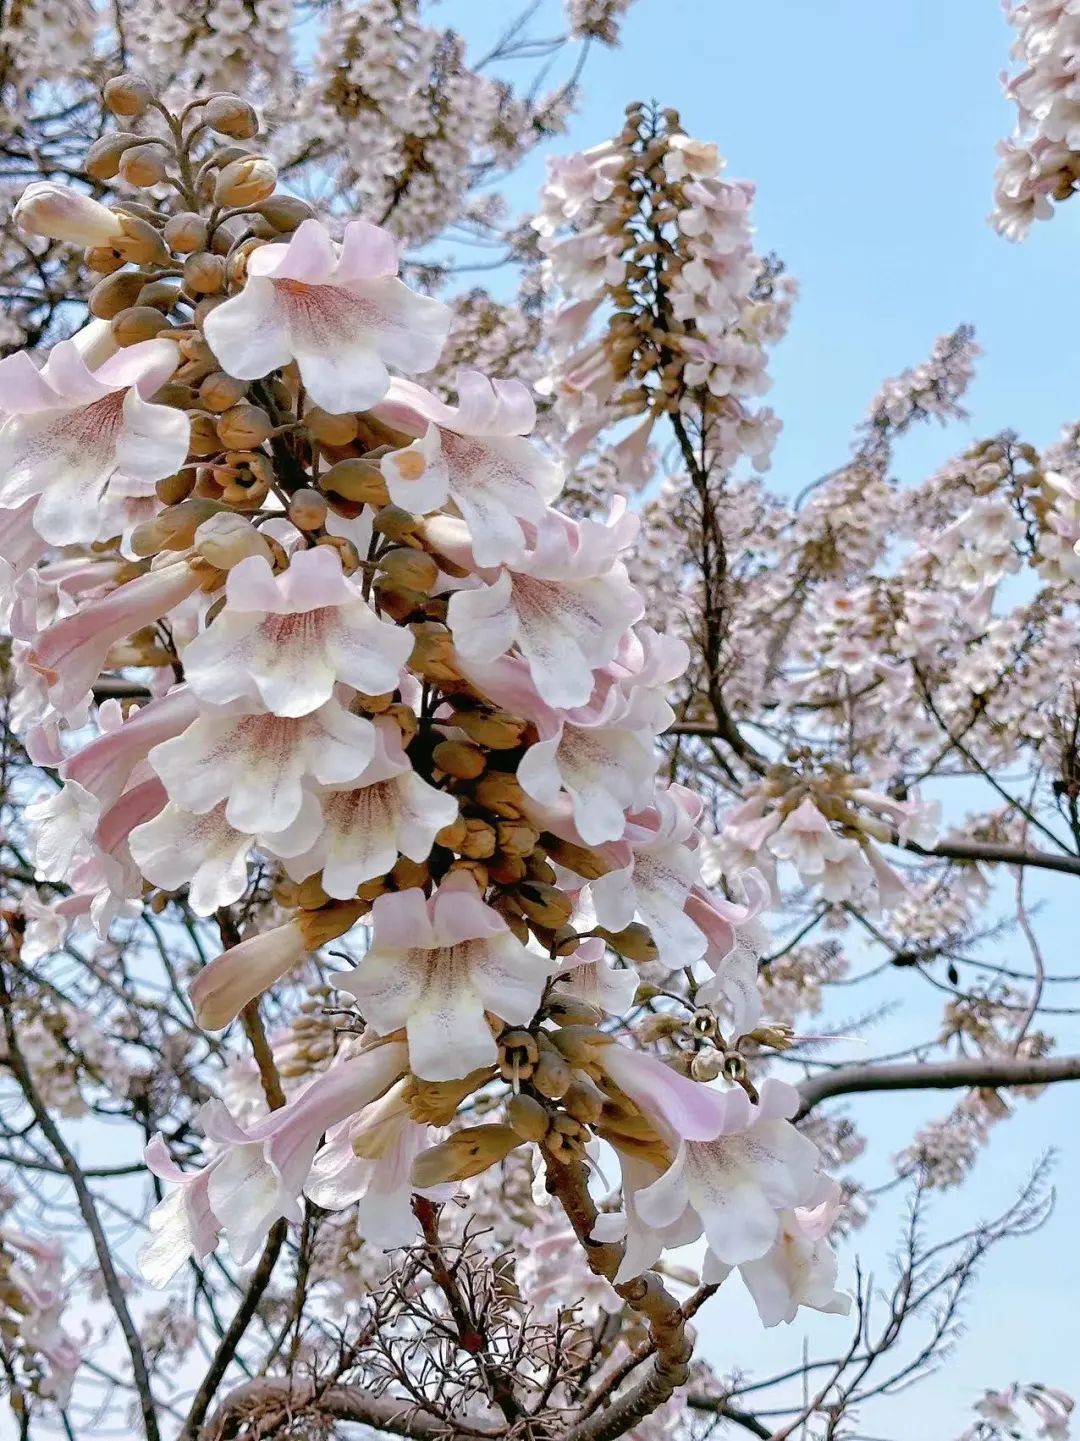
(402, 756)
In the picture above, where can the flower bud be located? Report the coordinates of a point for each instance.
(307, 509)
(285, 212)
(244, 427)
(466, 1153)
(412, 569)
(102, 260)
(459, 759)
(355, 480)
(528, 1117)
(229, 115)
(434, 1103)
(159, 293)
(477, 840)
(204, 274)
(396, 524)
(496, 730)
(516, 838)
(59, 213)
(136, 323)
(115, 293)
(507, 870)
(203, 439)
(225, 540)
(552, 1076)
(501, 793)
(330, 429)
(433, 653)
(174, 528)
(127, 95)
(220, 392)
(103, 158)
(138, 241)
(245, 182)
(143, 165)
(451, 836)
(581, 860)
(634, 942)
(172, 490)
(185, 233)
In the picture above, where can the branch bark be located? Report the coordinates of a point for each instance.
(938, 1076)
(268, 1400)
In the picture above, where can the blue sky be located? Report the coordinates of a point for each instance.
(869, 127)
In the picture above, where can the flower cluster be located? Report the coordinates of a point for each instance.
(381, 666)
(1041, 163)
(1010, 1411)
(32, 1300)
(644, 239)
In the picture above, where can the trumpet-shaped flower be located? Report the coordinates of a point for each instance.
(436, 967)
(257, 763)
(474, 454)
(566, 604)
(258, 1173)
(738, 1183)
(338, 311)
(287, 639)
(72, 434)
(390, 809)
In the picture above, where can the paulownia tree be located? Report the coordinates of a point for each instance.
(441, 780)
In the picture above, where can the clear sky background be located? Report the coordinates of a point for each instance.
(869, 127)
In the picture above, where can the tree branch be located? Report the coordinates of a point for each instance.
(990, 852)
(939, 1076)
(258, 1399)
(88, 1210)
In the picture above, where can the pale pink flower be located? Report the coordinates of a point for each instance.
(739, 1182)
(437, 967)
(655, 885)
(257, 763)
(105, 765)
(223, 988)
(203, 852)
(586, 975)
(565, 603)
(799, 1269)
(61, 213)
(338, 311)
(72, 434)
(679, 1107)
(642, 1244)
(807, 840)
(366, 1162)
(286, 640)
(475, 455)
(363, 828)
(259, 1173)
(72, 652)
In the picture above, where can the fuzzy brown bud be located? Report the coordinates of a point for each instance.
(220, 392)
(307, 509)
(127, 95)
(355, 480)
(412, 569)
(204, 274)
(115, 293)
(497, 730)
(466, 1153)
(459, 759)
(229, 115)
(143, 165)
(245, 182)
(285, 212)
(244, 427)
(528, 1117)
(137, 322)
(185, 233)
(330, 429)
(103, 158)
